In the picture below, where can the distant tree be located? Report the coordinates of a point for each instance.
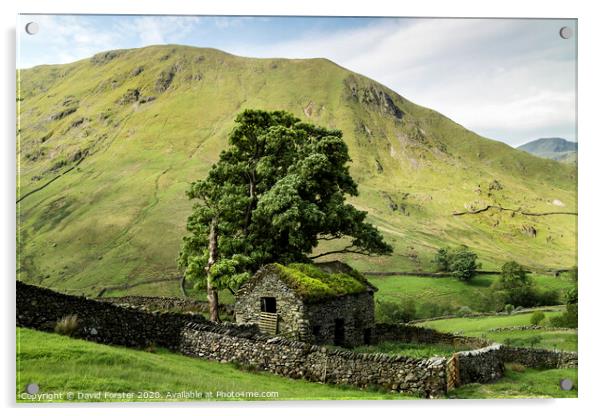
(463, 263)
(513, 276)
(275, 193)
(395, 312)
(441, 260)
(514, 286)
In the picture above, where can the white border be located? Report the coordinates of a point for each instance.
(590, 153)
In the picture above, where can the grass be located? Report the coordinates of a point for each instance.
(436, 296)
(313, 284)
(119, 216)
(549, 338)
(409, 349)
(60, 364)
(522, 384)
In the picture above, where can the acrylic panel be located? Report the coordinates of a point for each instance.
(295, 208)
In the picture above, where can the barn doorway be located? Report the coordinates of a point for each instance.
(339, 332)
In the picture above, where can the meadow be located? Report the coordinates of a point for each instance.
(436, 296)
(547, 337)
(59, 364)
(62, 364)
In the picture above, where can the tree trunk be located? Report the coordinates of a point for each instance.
(251, 205)
(212, 297)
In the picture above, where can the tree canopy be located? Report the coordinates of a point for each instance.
(277, 191)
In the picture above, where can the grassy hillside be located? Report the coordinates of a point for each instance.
(108, 145)
(61, 364)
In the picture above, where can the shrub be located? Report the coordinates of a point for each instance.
(537, 317)
(464, 311)
(515, 287)
(533, 341)
(519, 368)
(67, 325)
(433, 309)
(527, 297)
(547, 297)
(568, 319)
(393, 312)
(509, 308)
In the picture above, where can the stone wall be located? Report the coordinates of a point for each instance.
(294, 359)
(539, 358)
(482, 365)
(160, 303)
(289, 307)
(103, 322)
(417, 334)
(355, 311)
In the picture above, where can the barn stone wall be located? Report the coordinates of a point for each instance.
(290, 309)
(310, 322)
(356, 312)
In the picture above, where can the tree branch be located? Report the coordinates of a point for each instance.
(329, 238)
(342, 251)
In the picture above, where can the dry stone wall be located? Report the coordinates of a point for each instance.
(156, 303)
(482, 365)
(295, 359)
(417, 334)
(539, 358)
(103, 322)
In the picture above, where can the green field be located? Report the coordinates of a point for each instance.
(434, 295)
(550, 338)
(103, 181)
(409, 349)
(526, 383)
(61, 364)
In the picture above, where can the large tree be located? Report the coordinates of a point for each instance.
(275, 193)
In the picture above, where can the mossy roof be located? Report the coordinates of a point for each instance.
(313, 284)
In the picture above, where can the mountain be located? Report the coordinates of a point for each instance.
(107, 147)
(552, 148)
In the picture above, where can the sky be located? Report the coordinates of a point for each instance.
(512, 80)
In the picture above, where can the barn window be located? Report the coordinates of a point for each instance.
(268, 305)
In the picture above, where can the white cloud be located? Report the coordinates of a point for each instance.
(507, 78)
(151, 30)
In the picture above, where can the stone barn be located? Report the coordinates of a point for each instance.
(326, 303)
